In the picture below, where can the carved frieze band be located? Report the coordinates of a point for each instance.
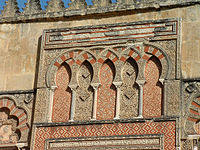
(107, 34)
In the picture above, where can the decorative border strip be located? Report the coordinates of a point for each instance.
(108, 34)
(154, 141)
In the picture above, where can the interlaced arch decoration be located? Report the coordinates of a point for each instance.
(193, 114)
(22, 127)
(118, 55)
(157, 51)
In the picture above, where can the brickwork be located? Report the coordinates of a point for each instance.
(62, 95)
(167, 129)
(152, 89)
(107, 92)
(121, 75)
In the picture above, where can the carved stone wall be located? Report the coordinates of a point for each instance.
(121, 75)
(15, 119)
(115, 82)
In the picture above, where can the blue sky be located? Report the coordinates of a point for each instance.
(43, 3)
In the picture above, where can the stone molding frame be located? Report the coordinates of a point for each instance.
(191, 116)
(141, 52)
(22, 113)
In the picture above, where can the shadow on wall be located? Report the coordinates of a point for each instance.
(21, 3)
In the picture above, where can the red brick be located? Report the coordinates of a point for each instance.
(78, 62)
(145, 57)
(21, 115)
(192, 119)
(194, 112)
(155, 51)
(131, 53)
(123, 59)
(71, 54)
(146, 49)
(161, 56)
(108, 54)
(92, 61)
(57, 64)
(115, 59)
(63, 58)
(137, 58)
(100, 60)
(1, 103)
(71, 62)
(195, 104)
(85, 56)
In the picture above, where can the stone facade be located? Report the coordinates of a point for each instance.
(121, 75)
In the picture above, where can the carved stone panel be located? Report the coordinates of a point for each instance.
(84, 98)
(129, 96)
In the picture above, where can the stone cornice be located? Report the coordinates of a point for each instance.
(97, 8)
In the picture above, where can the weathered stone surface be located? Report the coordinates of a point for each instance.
(32, 7)
(136, 28)
(10, 9)
(77, 4)
(55, 6)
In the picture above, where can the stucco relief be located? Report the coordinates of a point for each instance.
(8, 127)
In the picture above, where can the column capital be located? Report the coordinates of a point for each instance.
(53, 88)
(95, 85)
(73, 87)
(117, 84)
(141, 82)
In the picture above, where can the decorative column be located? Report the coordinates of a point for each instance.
(50, 109)
(164, 101)
(141, 84)
(118, 86)
(73, 102)
(94, 110)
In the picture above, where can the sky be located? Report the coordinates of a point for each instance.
(21, 3)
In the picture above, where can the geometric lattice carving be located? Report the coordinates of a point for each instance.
(165, 128)
(84, 93)
(129, 97)
(84, 79)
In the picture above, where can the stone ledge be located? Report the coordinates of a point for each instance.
(91, 122)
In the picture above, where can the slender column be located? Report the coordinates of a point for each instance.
(94, 110)
(141, 84)
(73, 102)
(195, 143)
(118, 86)
(50, 109)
